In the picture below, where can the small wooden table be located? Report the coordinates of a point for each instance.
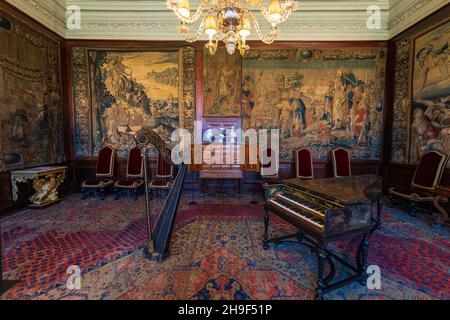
(442, 197)
(221, 175)
(46, 181)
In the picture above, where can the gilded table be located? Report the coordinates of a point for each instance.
(46, 181)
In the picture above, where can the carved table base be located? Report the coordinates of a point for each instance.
(46, 181)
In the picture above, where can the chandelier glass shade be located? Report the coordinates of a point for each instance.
(231, 21)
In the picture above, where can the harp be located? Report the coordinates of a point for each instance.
(160, 235)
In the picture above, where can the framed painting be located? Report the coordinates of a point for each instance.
(430, 118)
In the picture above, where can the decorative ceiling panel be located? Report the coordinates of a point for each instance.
(151, 20)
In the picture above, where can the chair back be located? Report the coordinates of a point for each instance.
(304, 164)
(135, 165)
(341, 163)
(106, 161)
(164, 169)
(429, 171)
(267, 169)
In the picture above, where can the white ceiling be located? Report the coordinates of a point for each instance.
(150, 19)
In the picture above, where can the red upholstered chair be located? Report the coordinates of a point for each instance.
(304, 168)
(133, 182)
(164, 175)
(341, 163)
(427, 176)
(104, 173)
(268, 177)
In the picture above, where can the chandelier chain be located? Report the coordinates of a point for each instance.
(191, 39)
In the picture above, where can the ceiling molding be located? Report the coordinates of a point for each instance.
(405, 13)
(326, 20)
(151, 20)
(51, 13)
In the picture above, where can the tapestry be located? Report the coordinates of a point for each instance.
(421, 92)
(222, 84)
(320, 99)
(430, 126)
(118, 92)
(30, 97)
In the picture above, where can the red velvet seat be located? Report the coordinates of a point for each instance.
(341, 163)
(427, 176)
(269, 175)
(411, 194)
(133, 181)
(97, 183)
(129, 183)
(164, 175)
(304, 168)
(104, 173)
(162, 183)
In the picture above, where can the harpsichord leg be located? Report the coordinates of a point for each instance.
(321, 259)
(379, 212)
(362, 259)
(266, 229)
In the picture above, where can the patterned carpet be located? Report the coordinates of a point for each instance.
(216, 253)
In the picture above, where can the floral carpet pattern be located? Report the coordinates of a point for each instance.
(216, 253)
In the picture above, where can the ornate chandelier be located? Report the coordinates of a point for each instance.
(231, 21)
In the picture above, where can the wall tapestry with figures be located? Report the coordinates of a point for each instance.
(221, 85)
(430, 127)
(117, 92)
(422, 93)
(30, 97)
(321, 99)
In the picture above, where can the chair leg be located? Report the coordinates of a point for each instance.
(84, 194)
(117, 193)
(413, 210)
(392, 201)
(151, 194)
(430, 208)
(102, 193)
